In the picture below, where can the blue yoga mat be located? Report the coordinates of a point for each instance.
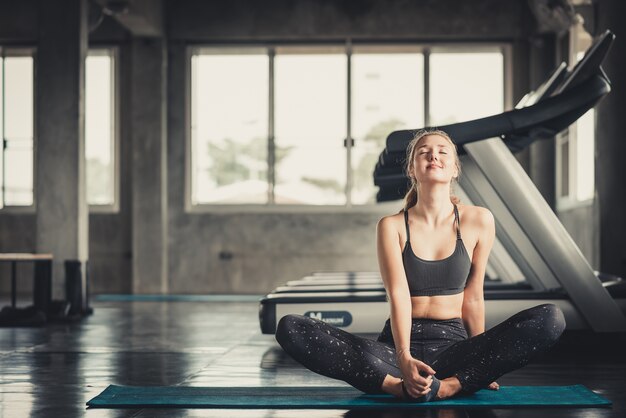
(316, 397)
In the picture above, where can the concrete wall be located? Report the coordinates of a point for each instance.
(611, 144)
(244, 20)
(110, 245)
(598, 228)
(17, 234)
(252, 253)
(582, 222)
(18, 26)
(109, 234)
(20, 22)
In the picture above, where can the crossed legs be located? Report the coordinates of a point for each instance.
(370, 365)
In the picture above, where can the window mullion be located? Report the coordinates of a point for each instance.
(4, 141)
(573, 162)
(271, 145)
(426, 60)
(349, 174)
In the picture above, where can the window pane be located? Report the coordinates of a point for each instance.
(99, 129)
(465, 86)
(387, 95)
(1, 129)
(585, 137)
(18, 90)
(17, 106)
(310, 118)
(229, 128)
(19, 173)
(585, 156)
(565, 168)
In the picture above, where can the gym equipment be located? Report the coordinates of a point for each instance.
(532, 251)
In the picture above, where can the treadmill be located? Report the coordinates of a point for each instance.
(534, 255)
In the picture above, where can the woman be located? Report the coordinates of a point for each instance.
(434, 344)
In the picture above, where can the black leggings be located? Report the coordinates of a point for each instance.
(442, 344)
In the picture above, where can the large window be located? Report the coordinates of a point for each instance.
(100, 130)
(229, 126)
(304, 125)
(16, 127)
(575, 147)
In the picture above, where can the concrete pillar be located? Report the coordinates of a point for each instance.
(149, 168)
(611, 143)
(62, 212)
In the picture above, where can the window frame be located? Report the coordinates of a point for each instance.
(20, 51)
(348, 46)
(114, 52)
(570, 136)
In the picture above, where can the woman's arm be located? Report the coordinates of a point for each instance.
(394, 278)
(473, 310)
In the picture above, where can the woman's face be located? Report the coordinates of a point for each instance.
(434, 160)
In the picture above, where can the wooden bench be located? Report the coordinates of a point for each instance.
(42, 285)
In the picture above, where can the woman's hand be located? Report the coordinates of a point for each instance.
(493, 386)
(417, 375)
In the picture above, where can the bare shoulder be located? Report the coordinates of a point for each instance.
(476, 216)
(390, 225)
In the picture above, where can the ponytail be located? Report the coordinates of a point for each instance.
(410, 199)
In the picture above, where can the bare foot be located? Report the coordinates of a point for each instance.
(448, 388)
(393, 386)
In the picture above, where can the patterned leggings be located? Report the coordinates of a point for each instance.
(442, 344)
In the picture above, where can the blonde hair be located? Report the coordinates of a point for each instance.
(410, 199)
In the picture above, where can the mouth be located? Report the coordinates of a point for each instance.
(433, 166)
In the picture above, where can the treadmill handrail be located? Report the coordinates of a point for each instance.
(515, 120)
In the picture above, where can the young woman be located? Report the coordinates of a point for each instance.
(434, 344)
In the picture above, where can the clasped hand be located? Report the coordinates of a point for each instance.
(417, 375)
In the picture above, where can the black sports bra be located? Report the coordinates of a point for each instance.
(436, 277)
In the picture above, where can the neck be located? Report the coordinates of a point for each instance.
(433, 204)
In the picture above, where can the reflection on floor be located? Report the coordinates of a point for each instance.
(53, 371)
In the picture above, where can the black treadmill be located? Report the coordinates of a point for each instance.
(534, 259)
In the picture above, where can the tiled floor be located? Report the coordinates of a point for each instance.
(53, 371)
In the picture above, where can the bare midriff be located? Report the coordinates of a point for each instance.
(437, 307)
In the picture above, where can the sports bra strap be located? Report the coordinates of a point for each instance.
(406, 223)
(458, 222)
